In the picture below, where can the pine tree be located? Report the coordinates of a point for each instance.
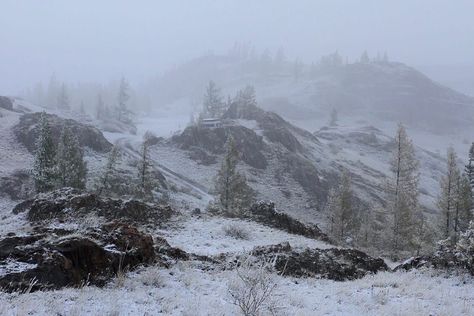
(123, 97)
(231, 186)
(402, 191)
(213, 104)
(448, 199)
(104, 183)
(43, 170)
(71, 169)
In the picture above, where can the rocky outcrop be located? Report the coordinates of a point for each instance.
(17, 186)
(6, 103)
(274, 127)
(69, 204)
(27, 130)
(335, 264)
(249, 144)
(52, 259)
(265, 213)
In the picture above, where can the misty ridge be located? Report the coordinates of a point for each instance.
(237, 158)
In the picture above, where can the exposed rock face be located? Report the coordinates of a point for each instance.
(27, 132)
(55, 259)
(17, 186)
(275, 128)
(249, 144)
(266, 214)
(69, 203)
(6, 103)
(335, 264)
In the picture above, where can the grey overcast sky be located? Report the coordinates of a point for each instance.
(97, 40)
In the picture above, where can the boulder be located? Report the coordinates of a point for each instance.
(69, 204)
(335, 264)
(265, 213)
(50, 261)
(17, 186)
(27, 130)
(6, 103)
(249, 144)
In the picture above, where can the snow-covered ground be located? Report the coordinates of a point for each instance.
(185, 289)
(206, 236)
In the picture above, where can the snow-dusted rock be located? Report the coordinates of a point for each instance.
(52, 259)
(26, 132)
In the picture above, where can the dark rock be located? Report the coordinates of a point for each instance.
(413, 263)
(305, 173)
(335, 264)
(6, 103)
(70, 203)
(266, 214)
(49, 262)
(17, 186)
(196, 211)
(275, 128)
(201, 156)
(249, 144)
(26, 132)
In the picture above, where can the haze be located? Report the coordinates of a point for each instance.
(102, 40)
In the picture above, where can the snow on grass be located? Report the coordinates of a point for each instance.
(207, 236)
(187, 290)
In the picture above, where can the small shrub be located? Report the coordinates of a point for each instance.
(236, 231)
(253, 287)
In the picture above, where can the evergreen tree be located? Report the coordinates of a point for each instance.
(43, 170)
(100, 108)
(247, 96)
(334, 118)
(213, 104)
(464, 205)
(71, 169)
(104, 183)
(231, 186)
(341, 210)
(469, 169)
(402, 191)
(145, 183)
(63, 98)
(122, 98)
(448, 198)
(364, 58)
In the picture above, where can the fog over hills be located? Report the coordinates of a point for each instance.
(236, 157)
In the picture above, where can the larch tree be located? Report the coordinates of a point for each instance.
(145, 183)
(212, 103)
(448, 198)
(104, 182)
(402, 191)
(231, 186)
(44, 162)
(341, 210)
(71, 169)
(464, 204)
